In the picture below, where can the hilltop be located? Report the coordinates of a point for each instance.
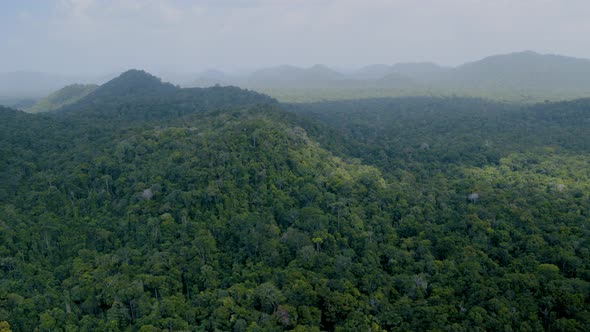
(136, 95)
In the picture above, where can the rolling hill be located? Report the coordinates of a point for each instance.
(139, 96)
(63, 97)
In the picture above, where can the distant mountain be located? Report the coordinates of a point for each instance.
(420, 71)
(372, 72)
(296, 77)
(212, 77)
(395, 81)
(216, 74)
(65, 96)
(523, 70)
(413, 70)
(285, 73)
(322, 72)
(522, 76)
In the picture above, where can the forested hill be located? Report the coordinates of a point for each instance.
(138, 96)
(151, 227)
(146, 207)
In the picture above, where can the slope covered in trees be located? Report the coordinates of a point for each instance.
(64, 96)
(145, 207)
(138, 96)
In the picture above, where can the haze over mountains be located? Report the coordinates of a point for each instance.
(522, 72)
(523, 77)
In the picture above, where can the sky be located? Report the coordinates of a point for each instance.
(182, 36)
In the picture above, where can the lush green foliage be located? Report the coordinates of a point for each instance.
(144, 207)
(65, 96)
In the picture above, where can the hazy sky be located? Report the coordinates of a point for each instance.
(97, 36)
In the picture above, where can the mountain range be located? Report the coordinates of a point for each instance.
(518, 73)
(523, 76)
